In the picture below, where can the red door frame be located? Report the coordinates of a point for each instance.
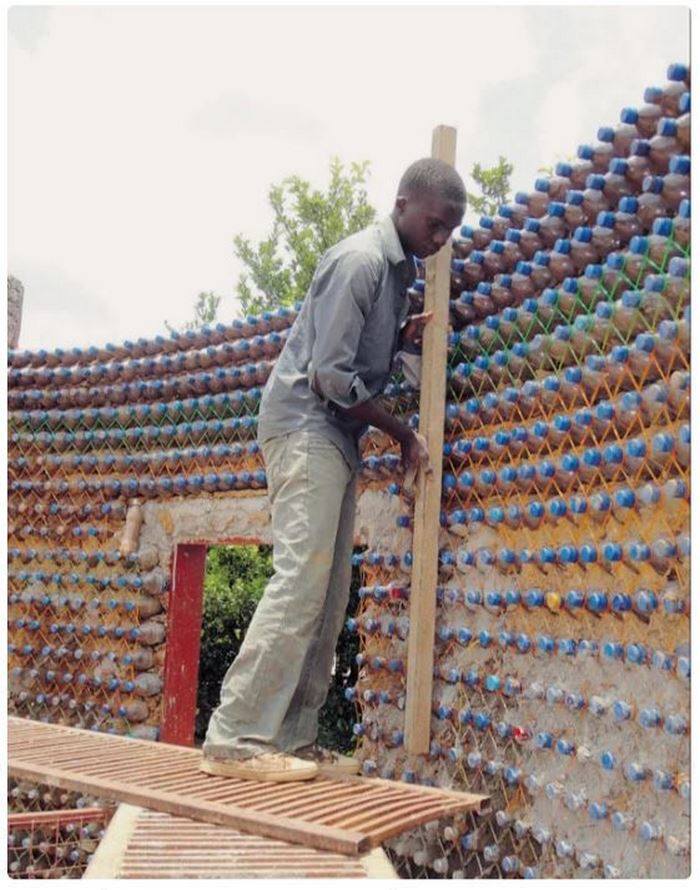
(182, 645)
(185, 602)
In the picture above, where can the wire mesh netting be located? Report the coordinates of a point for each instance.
(561, 675)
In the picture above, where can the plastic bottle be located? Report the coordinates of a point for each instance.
(599, 154)
(619, 138)
(626, 223)
(644, 119)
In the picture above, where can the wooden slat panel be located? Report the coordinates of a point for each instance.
(145, 844)
(343, 815)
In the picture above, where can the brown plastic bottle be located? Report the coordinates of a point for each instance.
(599, 154)
(540, 272)
(644, 119)
(561, 264)
(650, 206)
(582, 250)
(528, 239)
(515, 213)
(594, 200)
(661, 150)
(481, 237)
(619, 137)
(580, 171)
(512, 252)
(603, 236)
(536, 201)
(493, 259)
(627, 223)
(616, 184)
(666, 97)
(672, 188)
(574, 213)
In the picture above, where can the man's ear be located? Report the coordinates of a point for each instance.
(400, 204)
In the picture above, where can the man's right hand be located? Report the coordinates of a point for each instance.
(414, 454)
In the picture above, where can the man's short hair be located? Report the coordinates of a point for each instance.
(430, 175)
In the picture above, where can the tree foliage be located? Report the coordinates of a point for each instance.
(205, 309)
(494, 185)
(307, 222)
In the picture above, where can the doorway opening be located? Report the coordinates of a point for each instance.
(216, 589)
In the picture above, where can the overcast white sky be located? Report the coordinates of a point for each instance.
(141, 139)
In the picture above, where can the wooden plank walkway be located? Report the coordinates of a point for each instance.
(142, 843)
(349, 815)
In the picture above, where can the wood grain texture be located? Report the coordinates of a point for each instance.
(426, 519)
(142, 843)
(346, 815)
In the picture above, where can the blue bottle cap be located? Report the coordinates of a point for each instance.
(606, 134)
(667, 127)
(684, 209)
(618, 166)
(678, 71)
(541, 258)
(684, 103)
(653, 94)
(653, 185)
(585, 152)
(640, 148)
(628, 204)
(523, 268)
(606, 219)
(522, 198)
(562, 245)
(497, 247)
(466, 231)
(679, 164)
(513, 236)
(663, 226)
(486, 222)
(575, 197)
(595, 181)
(629, 115)
(506, 211)
(639, 244)
(615, 261)
(556, 208)
(644, 343)
(563, 169)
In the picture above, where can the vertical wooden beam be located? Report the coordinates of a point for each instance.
(426, 519)
(182, 645)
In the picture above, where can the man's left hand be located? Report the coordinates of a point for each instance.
(412, 331)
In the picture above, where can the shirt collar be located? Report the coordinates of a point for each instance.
(392, 244)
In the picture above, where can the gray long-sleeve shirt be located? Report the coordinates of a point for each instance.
(345, 339)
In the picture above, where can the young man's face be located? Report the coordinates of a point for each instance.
(425, 222)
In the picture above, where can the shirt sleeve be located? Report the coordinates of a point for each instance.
(411, 366)
(345, 290)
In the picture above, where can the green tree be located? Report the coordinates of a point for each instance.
(494, 183)
(307, 222)
(205, 309)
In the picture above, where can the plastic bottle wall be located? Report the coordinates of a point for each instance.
(562, 662)
(562, 655)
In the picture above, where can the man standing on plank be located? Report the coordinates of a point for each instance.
(319, 399)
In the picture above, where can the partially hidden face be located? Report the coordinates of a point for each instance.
(426, 222)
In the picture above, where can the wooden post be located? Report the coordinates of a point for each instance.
(426, 518)
(182, 646)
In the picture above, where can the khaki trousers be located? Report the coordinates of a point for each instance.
(271, 694)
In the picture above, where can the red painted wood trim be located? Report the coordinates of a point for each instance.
(182, 646)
